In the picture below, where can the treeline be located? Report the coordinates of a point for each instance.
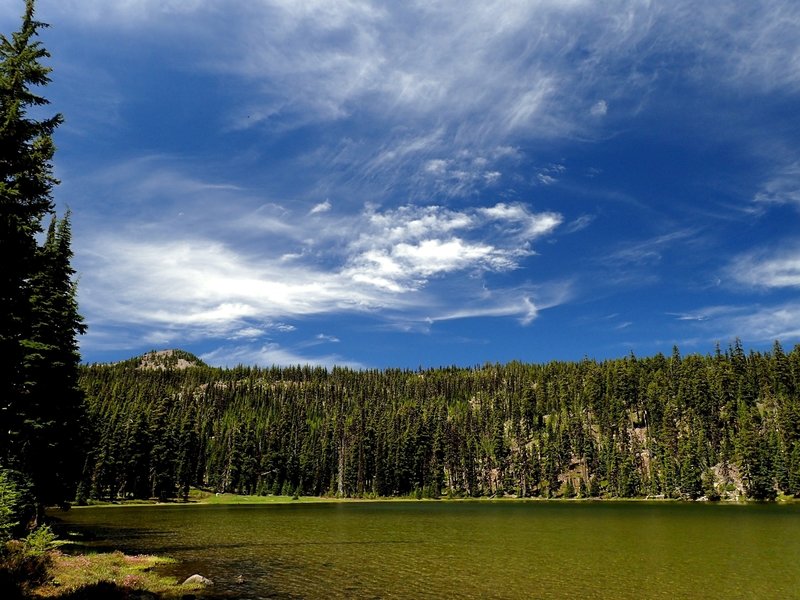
(715, 426)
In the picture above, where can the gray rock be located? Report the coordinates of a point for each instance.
(196, 578)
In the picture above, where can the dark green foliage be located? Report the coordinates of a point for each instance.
(40, 401)
(26, 180)
(11, 502)
(627, 428)
(710, 490)
(794, 471)
(25, 563)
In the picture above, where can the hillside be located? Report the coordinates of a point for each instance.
(721, 425)
(165, 359)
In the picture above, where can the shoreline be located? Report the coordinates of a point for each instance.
(202, 498)
(110, 575)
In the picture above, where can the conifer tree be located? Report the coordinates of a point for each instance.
(39, 322)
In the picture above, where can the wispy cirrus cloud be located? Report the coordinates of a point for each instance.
(753, 323)
(767, 269)
(782, 187)
(272, 353)
(764, 323)
(478, 72)
(651, 250)
(184, 281)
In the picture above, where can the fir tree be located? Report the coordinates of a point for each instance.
(39, 396)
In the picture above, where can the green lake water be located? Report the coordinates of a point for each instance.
(475, 549)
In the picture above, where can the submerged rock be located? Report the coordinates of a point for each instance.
(198, 579)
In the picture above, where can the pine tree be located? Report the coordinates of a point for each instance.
(55, 437)
(794, 471)
(39, 394)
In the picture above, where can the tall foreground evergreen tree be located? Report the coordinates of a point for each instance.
(39, 321)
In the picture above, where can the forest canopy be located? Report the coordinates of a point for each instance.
(720, 425)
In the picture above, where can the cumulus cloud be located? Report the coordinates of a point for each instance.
(399, 250)
(461, 174)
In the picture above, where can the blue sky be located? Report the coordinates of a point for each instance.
(428, 183)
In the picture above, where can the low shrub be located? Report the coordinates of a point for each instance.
(26, 563)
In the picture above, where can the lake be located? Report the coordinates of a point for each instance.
(470, 549)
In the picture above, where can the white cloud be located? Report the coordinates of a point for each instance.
(650, 250)
(249, 332)
(782, 187)
(264, 328)
(752, 323)
(273, 354)
(523, 307)
(399, 250)
(546, 179)
(524, 302)
(768, 270)
(579, 224)
(436, 166)
(320, 208)
(599, 109)
(767, 323)
(502, 67)
(689, 316)
(327, 338)
(179, 279)
(463, 173)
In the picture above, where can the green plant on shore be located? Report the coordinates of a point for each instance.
(114, 572)
(26, 563)
(10, 498)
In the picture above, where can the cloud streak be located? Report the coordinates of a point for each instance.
(163, 279)
(479, 72)
(767, 270)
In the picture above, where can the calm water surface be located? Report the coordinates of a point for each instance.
(468, 549)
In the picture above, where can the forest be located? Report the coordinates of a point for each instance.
(724, 425)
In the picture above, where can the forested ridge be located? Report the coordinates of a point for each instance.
(690, 426)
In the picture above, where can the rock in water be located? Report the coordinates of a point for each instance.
(196, 578)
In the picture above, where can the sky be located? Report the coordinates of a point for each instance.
(422, 184)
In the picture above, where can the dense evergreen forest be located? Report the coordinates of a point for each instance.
(722, 425)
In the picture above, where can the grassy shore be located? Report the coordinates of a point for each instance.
(198, 496)
(109, 575)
